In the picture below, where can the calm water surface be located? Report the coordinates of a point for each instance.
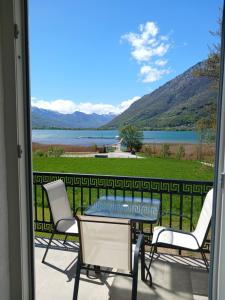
(108, 137)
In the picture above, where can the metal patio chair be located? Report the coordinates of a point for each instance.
(63, 220)
(107, 242)
(177, 239)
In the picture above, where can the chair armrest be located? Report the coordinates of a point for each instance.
(178, 231)
(65, 219)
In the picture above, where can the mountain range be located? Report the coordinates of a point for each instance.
(177, 105)
(43, 118)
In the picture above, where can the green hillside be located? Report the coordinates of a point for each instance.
(177, 105)
(43, 119)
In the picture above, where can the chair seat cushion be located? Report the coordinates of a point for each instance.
(174, 239)
(68, 226)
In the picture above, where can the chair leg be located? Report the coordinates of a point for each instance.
(77, 279)
(134, 288)
(49, 243)
(205, 260)
(143, 262)
(152, 252)
(135, 279)
(65, 238)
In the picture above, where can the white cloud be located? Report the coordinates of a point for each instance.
(60, 105)
(148, 47)
(164, 38)
(149, 29)
(127, 103)
(161, 49)
(161, 62)
(147, 43)
(151, 74)
(142, 54)
(68, 106)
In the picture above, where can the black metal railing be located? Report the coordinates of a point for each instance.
(181, 200)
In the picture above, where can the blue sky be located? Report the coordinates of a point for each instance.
(100, 55)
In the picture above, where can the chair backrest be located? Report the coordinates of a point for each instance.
(58, 200)
(203, 224)
(106, 242)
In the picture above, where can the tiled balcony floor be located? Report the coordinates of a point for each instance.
(174, 277)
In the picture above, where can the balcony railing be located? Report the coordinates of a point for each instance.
(181, 200)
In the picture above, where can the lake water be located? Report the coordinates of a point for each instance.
(108, 137)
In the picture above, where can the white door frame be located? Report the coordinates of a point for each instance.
(16, 99)
(217, 271)
(19, 172)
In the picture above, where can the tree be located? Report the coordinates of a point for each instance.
(211, 68)
(206, 125)
(206, 128)
(131, 137)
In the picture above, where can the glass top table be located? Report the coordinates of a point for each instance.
(137, 209)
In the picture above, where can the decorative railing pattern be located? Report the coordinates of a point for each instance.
(181, 200)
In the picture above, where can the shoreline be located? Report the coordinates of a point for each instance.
(187, 151)
(99, 129)
(153, 147)
(67, 148)
(151, 144)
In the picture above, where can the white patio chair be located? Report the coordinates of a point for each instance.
(107, 242)
(63, 220)
(177, 239)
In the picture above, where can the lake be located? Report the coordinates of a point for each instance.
(108, 137)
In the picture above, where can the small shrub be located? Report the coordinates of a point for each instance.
(165, 151)
(39, 153)
(199, 152)
(102, 149)
(133, 152)
(109, 149)
(147, 149)
(180, 152)
(55, 151)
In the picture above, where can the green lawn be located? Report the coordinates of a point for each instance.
(146, 167)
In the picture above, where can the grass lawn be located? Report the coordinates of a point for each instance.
(146, 167)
